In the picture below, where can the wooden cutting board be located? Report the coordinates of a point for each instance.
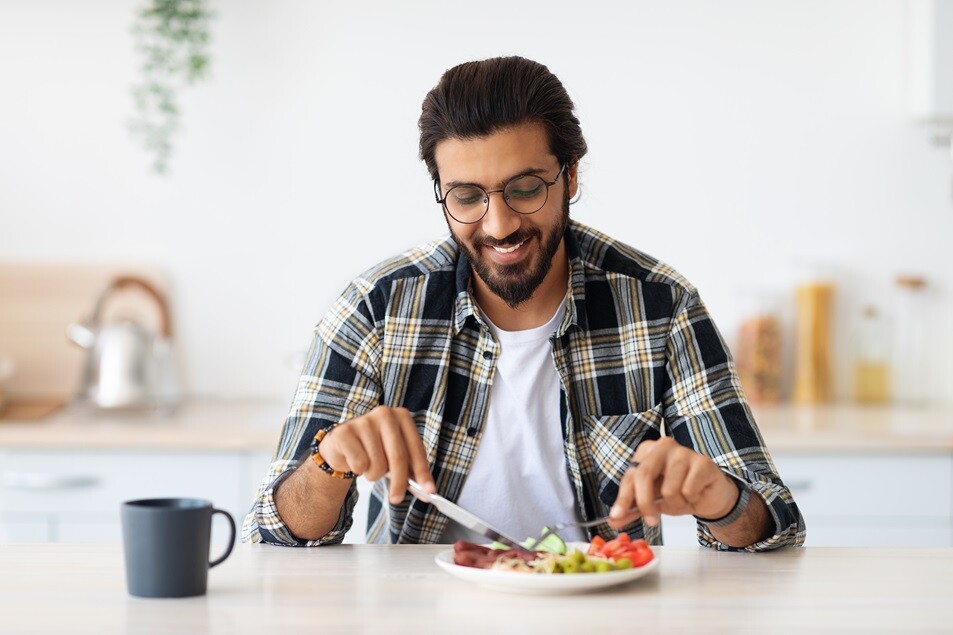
(37, 303)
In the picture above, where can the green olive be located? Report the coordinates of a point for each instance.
(603, 565)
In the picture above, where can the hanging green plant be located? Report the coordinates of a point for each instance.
(172, 37)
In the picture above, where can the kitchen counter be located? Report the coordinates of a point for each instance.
(855, 428)
(248, 424)
(197, 424)
(398, 589)
(64, 476)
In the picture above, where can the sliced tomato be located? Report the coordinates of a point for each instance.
(613, 544)
(597, 543)
(640, 558)
(622, 546)
(640, 553)
(615, 552)
(611, 548)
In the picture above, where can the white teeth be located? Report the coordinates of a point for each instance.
(508, 250)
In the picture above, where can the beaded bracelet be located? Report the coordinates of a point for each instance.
(316, 456)
(744, 496)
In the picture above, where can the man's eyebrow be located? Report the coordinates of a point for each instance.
(526, 172)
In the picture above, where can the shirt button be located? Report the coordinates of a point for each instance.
(487, 354)
(471, 432)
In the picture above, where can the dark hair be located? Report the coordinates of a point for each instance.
(476, 99)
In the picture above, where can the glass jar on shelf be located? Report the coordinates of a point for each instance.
(911, 372)
(758, 351)
(813, 345)
(871, 358)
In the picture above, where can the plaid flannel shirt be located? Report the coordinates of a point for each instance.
(637, 354)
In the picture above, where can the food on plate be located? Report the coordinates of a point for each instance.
(469, 554)
(621, 548)
(549, 541)
(614, 555)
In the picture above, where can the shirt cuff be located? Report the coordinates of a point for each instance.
(784, 534)
(263, 524)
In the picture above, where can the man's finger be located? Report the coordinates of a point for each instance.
(417, 453)
(673, 482)
(645, 477)
(394, 446)
(621, 514)
(376, 456)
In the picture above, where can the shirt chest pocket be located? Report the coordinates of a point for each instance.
(611, 441)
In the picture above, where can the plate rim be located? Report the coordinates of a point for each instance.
(542, 584)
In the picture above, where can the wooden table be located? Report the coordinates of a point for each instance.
(74, 588)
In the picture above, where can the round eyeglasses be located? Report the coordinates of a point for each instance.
(524, 194)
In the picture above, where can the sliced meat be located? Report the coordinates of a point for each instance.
(468, 554)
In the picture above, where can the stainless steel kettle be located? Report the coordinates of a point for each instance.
(128, 365)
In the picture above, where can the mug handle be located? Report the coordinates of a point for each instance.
(231, 544)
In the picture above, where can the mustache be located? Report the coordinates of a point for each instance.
(513, 239)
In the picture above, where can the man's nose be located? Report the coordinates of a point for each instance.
(500, 221)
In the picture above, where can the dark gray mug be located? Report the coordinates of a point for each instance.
(166, 543)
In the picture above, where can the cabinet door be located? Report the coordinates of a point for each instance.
(107, 528)
(830, 533)
(79, 493)
(357, 534)
(679, 531)
(84, 482)
(254, 468)
(20, 528)
(872, 500)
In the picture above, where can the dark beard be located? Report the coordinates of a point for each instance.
(511, 283)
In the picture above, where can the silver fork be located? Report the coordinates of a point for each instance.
(549, 531)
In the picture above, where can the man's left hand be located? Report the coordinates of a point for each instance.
(672, 479)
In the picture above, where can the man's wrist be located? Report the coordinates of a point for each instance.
(737, 511)
(319, 460)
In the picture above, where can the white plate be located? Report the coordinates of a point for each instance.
(542, 583)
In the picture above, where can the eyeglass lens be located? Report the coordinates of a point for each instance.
(524, 194)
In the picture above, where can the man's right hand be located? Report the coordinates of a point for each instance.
(382, 442)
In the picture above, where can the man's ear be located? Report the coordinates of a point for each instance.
(573, 173)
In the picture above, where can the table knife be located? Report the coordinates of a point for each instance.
(462, 516)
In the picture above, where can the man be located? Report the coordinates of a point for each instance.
(528, 367)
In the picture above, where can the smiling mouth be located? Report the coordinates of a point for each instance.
(507, 250)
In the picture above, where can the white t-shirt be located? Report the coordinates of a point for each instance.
(519, 481)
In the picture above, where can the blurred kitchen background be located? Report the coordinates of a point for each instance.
(791, 159)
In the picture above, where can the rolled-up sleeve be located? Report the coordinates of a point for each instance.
(263, 524)
(338, 383)
(705, 409)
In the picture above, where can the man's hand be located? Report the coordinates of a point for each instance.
(673, 480)
(382, 442)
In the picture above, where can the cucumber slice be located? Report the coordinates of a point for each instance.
(551, 543)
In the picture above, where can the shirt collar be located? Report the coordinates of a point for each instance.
(465, 304)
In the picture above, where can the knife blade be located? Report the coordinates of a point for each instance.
(467, 519)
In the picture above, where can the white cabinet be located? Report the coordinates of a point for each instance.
(23, 529)
(848, 499)
(860, 500)
(75, 495)
(866, 500)
(356, 535)
(679, 531)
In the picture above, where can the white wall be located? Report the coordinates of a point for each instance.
(739, 141)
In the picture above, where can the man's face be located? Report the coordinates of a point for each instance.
(511, 253)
